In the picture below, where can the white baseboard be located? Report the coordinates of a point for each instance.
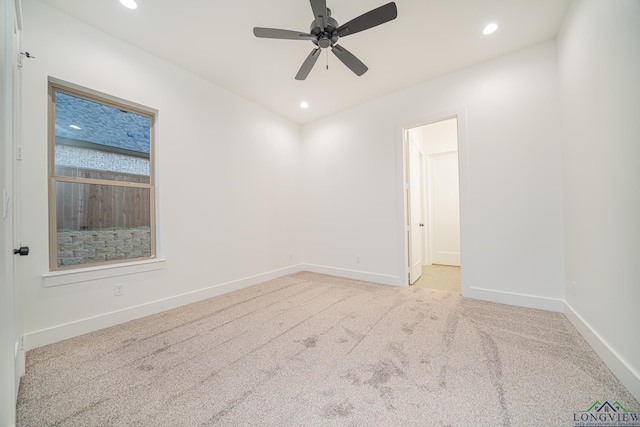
(91, 324)
(618, 365)
(521, 300)
(354, 274)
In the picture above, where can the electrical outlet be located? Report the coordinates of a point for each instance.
(118, 289)
(574, 287)
(357, 259)
(290, 255)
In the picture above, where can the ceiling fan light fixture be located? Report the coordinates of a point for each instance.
(130, 4)
(490, 29)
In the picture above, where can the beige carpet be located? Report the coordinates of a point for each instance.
(308, 350)
(440, 277)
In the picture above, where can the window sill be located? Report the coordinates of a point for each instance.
(59, 278)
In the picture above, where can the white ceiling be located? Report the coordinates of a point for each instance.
(214, 39)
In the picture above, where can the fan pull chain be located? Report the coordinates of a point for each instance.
(326, 52)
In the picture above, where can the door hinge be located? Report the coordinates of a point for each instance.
(21, 56)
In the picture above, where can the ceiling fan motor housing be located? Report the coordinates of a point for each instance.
(326, 37)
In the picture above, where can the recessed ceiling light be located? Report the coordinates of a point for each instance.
(131, 4)
(304, 104)
(76, 127)
(490, 29)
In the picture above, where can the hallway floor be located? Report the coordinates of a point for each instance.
(440, 277)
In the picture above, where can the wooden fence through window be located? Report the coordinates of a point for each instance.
(82, 206)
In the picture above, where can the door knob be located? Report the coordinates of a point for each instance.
(23, 251)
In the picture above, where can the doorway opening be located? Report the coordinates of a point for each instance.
(433, 205)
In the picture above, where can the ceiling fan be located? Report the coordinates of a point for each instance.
(325, 33)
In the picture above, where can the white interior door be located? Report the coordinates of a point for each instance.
(415, 211)
(444, 224)
(11, 353)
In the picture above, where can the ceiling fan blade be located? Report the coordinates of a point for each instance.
(349, 60)
(274, 33)
(371, 19)
(320, 12)
(308, 64)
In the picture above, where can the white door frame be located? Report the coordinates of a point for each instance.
(401, 173)
(20, 357)
(426, 251)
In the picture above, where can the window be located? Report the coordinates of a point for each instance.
(101, 180)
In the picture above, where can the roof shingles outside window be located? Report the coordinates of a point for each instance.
(107, 127)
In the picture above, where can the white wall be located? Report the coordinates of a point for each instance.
(440, 137)
(512, 249)
(228, 181)
(599, 63)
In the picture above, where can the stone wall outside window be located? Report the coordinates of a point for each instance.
(78, 247)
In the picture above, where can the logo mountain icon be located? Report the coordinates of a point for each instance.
(606, 407)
